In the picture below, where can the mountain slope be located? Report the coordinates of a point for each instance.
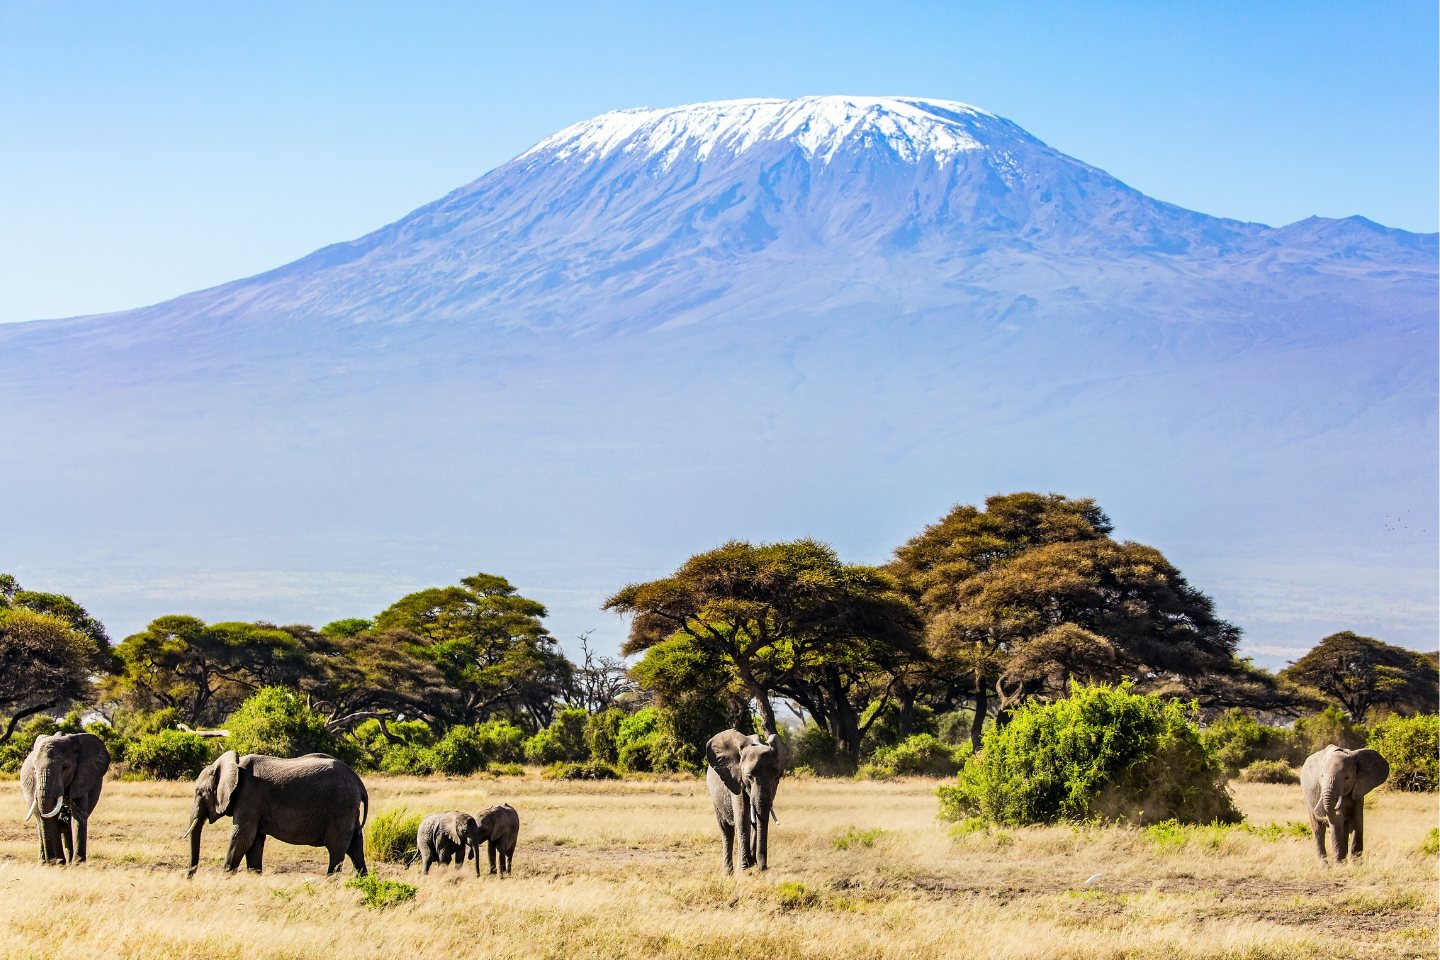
(660, 328)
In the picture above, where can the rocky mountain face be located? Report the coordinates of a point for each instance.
(661, 328)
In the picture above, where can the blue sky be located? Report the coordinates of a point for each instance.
(152, 149)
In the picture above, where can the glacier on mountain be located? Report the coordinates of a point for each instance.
(658, 329)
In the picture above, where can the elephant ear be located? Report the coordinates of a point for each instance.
(227, 778)
(723, 754)
(94, 761)
(781, 750)
(1371, 770)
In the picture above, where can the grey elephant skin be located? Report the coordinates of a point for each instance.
(1335, 782)
(442, 837)
(743, 776)
(500, 829)
(61, 781)
(310, 801)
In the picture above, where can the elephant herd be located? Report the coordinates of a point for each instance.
(318, 801)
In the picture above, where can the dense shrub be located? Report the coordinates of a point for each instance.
(884, 720)
(275, 722)
(406, 759)
(1237, 740)
(920, 755)
(637, 740)
(1268, 771)
(169, 755)
(503, 741)
(954, 728)
(601, 731)
(459, 753)
(1412, 747)
(816, 751)
(1331, 726)
(1103, 752)
(589, 770)
(390, 836)
(563, 740)
(17, 748)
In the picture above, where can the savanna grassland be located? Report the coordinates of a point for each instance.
(630, 869)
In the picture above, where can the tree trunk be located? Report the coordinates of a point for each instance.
(982, 706)
(906, 696)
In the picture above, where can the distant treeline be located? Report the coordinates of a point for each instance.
(978, 613)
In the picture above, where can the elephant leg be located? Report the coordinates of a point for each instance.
(356, 852)
(1317, 828)
(727, 836)
(427, 857)
(740, 804)
(66, 838)
(1357, 845)
(255, 856)
(82, 831)
(1341, 832)
(492, 849)
(241, 836)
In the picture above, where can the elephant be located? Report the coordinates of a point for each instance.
(61, 780)
(311, 801)
(443, 836)
(500, 828)
(744, 772)
(1335, 781)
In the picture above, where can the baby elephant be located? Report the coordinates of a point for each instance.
(453, 834)
(1335, 782)
(501, 827)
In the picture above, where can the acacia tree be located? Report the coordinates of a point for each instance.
(775, 614)
(44, 663)
(490, 646)
(356, 674)
(1360, 673)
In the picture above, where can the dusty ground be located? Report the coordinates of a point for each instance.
(631, 870)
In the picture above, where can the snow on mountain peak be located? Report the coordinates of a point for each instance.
(818, 125)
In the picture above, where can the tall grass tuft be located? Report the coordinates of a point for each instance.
(390, 836)
(381, 893)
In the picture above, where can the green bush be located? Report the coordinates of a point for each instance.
(1268, 771)
(1412, 747)
(276, 723)
(601, 731)
(404, 759)
(1238, 740)
(921, 755)
(884, 721)
(14, 752)
(381, 893)
(459, 753)
(954, 728)
(508, 770)
(563, 740)
(816, 749)
(390, 836)
(1101, 753)
(637, 740)
(169, 755)
(503, 741)
(590, 770)
(1330, 726)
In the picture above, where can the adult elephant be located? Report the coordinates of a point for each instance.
(61, 781)
(310, 801)
(744, 773)
(1335, 782)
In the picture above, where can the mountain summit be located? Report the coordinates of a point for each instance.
(657, 329)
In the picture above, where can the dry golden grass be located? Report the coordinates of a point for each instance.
(631, 870)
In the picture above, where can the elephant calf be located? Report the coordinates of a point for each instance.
(1335, 782)
(450, 835)
(744, 773)
(500, 827)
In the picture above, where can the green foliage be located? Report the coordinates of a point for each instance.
(1237, 740)
(346, 628)
(857, 838)
(390, 836)
(275, 722)
(1174, 835)
(922, 755)
(169, 755)
(503, 741)
(816, 749)
(1431, 846)
(1268, 771)
(47, 664)
(404, 759)
(637, 740)
(1103, 752)
(459, 753)
(381, 893)
(601, 731)
(954, 728)
(1411, 745)
(884, 723)
(589, 770)
(14, 751)
(563, 740)
(1330, 726)
(508, 770)
(1360, 673)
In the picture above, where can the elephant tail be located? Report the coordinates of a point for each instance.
(365, 802)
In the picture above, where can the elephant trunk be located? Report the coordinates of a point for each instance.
(48, 800)
(197, 825)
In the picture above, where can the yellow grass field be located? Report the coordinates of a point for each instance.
(632, 870)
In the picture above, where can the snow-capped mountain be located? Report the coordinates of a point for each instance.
(833, 315)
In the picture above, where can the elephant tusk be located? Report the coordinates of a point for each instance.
(772, 815)
(58, 804)
(31, 812)
(187, 829)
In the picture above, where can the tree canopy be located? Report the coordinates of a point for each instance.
(1362, 673)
